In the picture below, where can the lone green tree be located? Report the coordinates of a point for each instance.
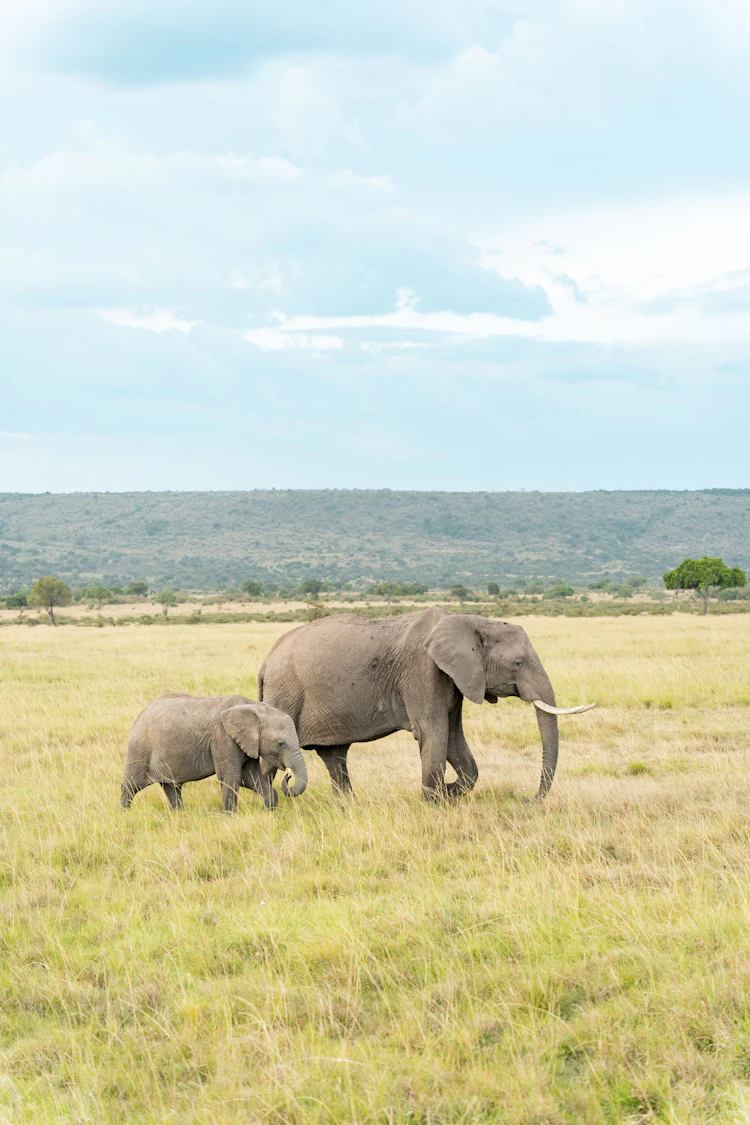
(493, 589)
(50, 593)
(704, 575)
(138, 588)
(165, 598)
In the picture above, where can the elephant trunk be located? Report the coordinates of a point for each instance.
(294, 761)
(550, 742)
(546, 718)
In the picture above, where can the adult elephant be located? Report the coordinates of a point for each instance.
(347, 679)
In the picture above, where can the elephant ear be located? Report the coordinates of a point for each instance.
(243, 725)
(455, 647)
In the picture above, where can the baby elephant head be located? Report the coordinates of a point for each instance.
(263, 731)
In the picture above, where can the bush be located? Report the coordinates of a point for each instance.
(493, 589)
(559, 590)
(397, 589)
(98, 594)
(138, 589)
(253, 588)
(312, 586)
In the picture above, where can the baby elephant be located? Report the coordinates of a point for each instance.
(180, 738)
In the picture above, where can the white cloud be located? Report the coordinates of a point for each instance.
(636, 271)
(277, 339)
(309, 119)
(107, 161)
(20, 437)
(344, 177)
(278, 168)
(619, 273)
(572, 60)
(156, 320)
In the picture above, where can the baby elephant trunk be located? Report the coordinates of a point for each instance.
(294, 761)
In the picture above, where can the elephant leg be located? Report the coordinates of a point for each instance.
(174, 794)
(433, 750)
(132, 784)
(460, 756)
(260, 781)
(230, 786)
(228, 761)
(334, 759)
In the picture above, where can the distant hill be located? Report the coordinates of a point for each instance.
(213, 539)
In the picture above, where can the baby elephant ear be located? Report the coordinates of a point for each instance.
(454, 646)
(243, 725)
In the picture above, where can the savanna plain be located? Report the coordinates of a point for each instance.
(582, 960)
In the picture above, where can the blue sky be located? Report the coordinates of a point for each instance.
(463, 244)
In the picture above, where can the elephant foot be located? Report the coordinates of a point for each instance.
(435, 796)
(456, 789)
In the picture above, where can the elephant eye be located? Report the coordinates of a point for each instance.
(519, 662)
(281, 744)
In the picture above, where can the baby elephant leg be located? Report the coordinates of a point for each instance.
(228, 763)
(132, 783)
(254, 778)
(174, 794)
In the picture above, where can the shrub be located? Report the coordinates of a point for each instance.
(493, 589)
(397, 589)
(138, 588)
(559, 590)
(98, 594)
(729, 594)
(312, 586)
(253, 588)
(17, 601)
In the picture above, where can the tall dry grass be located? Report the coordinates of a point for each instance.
(587, 960)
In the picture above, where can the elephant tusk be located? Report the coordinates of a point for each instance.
(562, 710)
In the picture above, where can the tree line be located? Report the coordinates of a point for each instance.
(707, 576)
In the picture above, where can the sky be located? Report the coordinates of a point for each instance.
(450, 244)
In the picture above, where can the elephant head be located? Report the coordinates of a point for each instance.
(491, 659)
(263, 731)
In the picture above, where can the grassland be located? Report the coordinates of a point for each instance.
(581, 961)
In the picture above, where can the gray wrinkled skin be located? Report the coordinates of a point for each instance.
(180, 738)
(347, 679)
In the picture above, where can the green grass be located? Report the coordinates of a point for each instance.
(384, 961)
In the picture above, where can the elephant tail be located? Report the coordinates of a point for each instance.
(260, 686)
